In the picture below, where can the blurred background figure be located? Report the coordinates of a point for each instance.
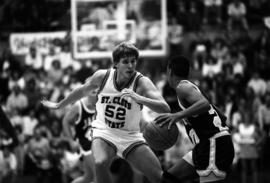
(237, 15)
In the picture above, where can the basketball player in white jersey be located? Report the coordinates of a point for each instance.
(78, 120)
(122, 91)
(205, 125)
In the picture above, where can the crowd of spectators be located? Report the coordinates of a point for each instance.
(230, 63)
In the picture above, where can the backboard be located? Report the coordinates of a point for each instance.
(99, 25)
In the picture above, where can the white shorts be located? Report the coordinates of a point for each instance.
(123, 142)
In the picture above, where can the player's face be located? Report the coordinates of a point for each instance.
(126, 66)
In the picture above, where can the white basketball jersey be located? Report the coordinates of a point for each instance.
(114, 112)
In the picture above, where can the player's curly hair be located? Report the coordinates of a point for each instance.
(124, 49)
(179, 66)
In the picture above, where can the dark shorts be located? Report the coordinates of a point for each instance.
(212, 158)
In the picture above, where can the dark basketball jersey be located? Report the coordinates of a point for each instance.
(83, 125)
(205, 125)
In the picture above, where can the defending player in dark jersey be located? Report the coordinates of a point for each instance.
(79, 119)
(213, 152)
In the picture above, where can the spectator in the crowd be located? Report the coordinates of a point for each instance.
(211, 67)
(37, 153)
(257, 84)
(70, 161)
(254, 101)
(33, 59)
(32, 93)
(175, 36)
(193, 17)
(85, 71)
(262, 63)
(249, 138)
(55, 74)
(212, 8)
(99, 13)
(237, 14)
(181, 13)
(29, 123)
(263, 41)
(17, 101)
(8, 164)
(16, 79)
(8, 161)
(238, 61)
(19, 150)
(199, 48)
(66, 58)
(50, 57)
(219, 50)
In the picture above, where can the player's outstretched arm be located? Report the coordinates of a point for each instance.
(92, 84)
(147, 94)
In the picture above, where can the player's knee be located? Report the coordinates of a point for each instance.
(102, 161)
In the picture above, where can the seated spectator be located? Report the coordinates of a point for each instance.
(237, 14)
(238, 61)
(249, 138)
(70, 161)
(219, 50)
(8, 164)
(55, 74)
(16, 79)
(199, 47)
(211, 67)
(17, 101)
(37, 153)
(214, 8)
(50, 57)
(33, 59)
(175, 37)
(32, 92)
(257, 84)
(29, 123)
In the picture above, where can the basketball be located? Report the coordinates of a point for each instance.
(160, 138)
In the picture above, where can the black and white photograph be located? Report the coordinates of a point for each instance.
(134, 91)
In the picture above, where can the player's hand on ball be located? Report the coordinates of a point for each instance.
(130, 93)
(166, 118)
(49, 104)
